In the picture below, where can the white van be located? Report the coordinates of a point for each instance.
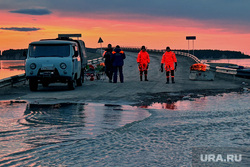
(56, 60)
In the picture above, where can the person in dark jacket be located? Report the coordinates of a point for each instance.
(108, 64)
(117, 58)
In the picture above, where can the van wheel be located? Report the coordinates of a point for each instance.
(72, 84)
(80, 81)
(33, 83)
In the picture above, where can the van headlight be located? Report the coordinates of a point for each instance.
(63, 66)
(33, 66)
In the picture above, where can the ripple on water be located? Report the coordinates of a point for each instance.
(95, 135)
(28, 128)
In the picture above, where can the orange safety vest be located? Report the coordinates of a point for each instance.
(143, 60)
(143, 57)
(169, 58)
(104, 53)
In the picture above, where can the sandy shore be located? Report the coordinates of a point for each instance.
(132, 91)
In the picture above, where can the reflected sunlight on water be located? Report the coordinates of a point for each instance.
(24, 127)
(10, 68)
(208, 103)
(95, 134)
(240, 62)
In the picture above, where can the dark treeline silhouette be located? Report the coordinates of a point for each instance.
(216, 54)
(91, 50)
(201, 54)
(13, 54)
(17, 54)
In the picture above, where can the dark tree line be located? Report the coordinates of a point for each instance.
(201, 54)
(17, 54)
(13, 54)
(216, 54)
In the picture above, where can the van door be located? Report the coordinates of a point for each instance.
(77, 62)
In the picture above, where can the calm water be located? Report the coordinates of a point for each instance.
(106, 135)
(240, 62)
(10, 68)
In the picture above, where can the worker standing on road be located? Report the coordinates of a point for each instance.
(143, 61)
(170, 61)
(108, 64)
(117, 58)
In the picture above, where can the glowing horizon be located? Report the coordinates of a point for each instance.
(131, 29)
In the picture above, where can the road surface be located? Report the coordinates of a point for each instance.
(132, 91)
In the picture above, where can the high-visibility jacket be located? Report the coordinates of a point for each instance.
(143, 60)
(117, 57)
(143, 57)
(169, 59)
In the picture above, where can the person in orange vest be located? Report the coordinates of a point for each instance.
(170, 61)
(143, 61)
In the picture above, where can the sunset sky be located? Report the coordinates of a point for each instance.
(217, 24)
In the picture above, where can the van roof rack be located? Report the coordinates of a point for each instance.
(69, 35)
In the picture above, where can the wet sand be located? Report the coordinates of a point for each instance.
(132, 91)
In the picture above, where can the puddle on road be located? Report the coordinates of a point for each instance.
(63, 121)
(222, 101)
(24, 126)
(170, 106)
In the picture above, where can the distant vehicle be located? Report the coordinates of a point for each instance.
(56, 60)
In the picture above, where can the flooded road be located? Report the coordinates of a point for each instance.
(95, 134)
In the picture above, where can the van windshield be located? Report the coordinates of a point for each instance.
(61, 50)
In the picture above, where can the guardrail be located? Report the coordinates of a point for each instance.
(96, 61)
(12, 80)
(188, 55)
(224, 70)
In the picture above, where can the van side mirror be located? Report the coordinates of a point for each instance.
(76, 54)
(24, 54)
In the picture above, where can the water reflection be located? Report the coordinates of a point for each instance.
(26, 127)
(75, 134)
(10, 68)
(204, 103)
(170, 106)
(240, 62)
(192, 103)
(54, 114)
(112, 115)
(12, 64)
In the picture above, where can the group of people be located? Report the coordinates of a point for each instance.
(114, 61)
